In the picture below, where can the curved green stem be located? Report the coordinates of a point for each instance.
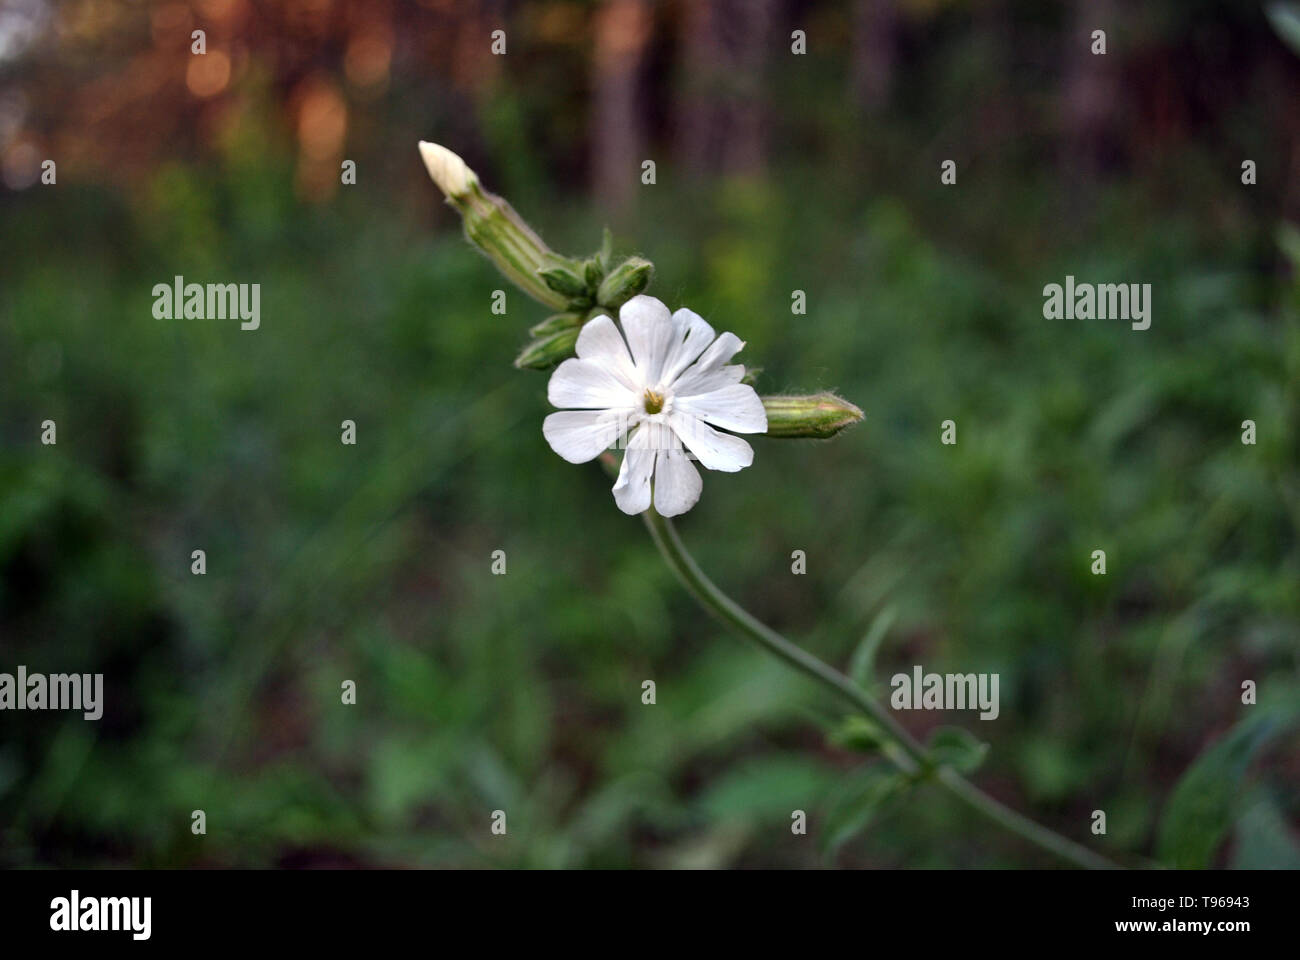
(907, 753)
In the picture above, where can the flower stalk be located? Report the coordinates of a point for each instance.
(909, 755)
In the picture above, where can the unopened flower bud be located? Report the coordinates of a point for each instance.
(448, 170)
(545, 352)
(556, 323)
(624, 282)
(492, 225)
(561, 277)
(818, 416)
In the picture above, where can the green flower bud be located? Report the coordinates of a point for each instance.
(545, 352)
(624, 282)
(492, 225)
(593, 273)
(555, 323)
(562, 277)
(818, 416)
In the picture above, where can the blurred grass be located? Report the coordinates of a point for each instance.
(522, 692)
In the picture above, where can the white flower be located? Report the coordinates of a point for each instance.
(672, 388)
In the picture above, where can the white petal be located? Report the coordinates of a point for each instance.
(599, 339)
(677, 483)
(587, 385)
(692, 334)
(694, 381)
(717, 451)
(649, 328)
(632, 488)
(720, 351)
(710, 362)
(582, 435)
(734, 407)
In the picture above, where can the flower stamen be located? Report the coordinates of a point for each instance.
(654, 402)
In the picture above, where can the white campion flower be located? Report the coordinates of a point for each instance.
(672, 388)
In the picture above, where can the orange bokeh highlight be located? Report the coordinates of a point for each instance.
(208, 74)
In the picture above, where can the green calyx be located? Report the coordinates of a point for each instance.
(624, 282)
(542, 353)
(587, 283)
(817, 416)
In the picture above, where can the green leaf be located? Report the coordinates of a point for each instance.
(1263, 839)
(1285, 18)
(958, 748)
(859, 733)
(1205, 801)
(861, 800)
(767, 789)
(865, 655)
(1288, 238)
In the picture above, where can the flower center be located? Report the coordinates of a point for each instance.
(654, 402)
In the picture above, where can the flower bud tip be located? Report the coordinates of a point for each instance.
(447, 170)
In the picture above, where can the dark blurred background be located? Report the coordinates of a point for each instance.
(775, 172)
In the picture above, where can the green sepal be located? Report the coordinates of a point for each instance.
(545, 352)
(564, 280)
(556, 323)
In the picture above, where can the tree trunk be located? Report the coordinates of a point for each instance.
(622, 28)
(721, 127)
(1089, 88)
(871, 77)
